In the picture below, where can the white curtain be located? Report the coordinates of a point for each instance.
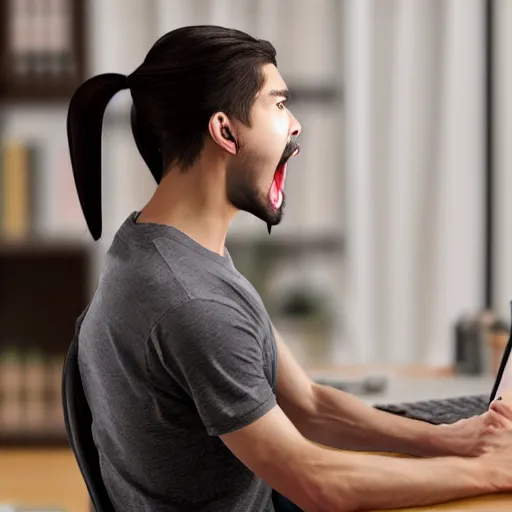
(502, 264)
(414, 123)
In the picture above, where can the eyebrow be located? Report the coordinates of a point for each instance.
(280, 93)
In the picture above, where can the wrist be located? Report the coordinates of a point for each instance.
(442, 440)
(487, 474)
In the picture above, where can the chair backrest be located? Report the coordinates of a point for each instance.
(78, 421)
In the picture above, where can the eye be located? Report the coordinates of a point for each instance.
(281, 105)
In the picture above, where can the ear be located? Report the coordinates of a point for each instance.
(222, 132)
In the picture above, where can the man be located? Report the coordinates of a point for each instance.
(197, 403)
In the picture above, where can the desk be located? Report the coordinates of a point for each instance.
(495, 503)
(51, 478)
(42, 477)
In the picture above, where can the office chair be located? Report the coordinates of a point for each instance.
(78, 421)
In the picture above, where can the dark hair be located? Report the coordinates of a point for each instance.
(187, 76)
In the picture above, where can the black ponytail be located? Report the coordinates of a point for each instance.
(84, 127)
(147, 144)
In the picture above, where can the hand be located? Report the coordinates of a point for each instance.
(497, 431)
(464, 437)
(496, 444)
(477, 435)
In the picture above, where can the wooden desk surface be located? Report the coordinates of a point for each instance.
(44, 478)
(52, 478)
(495, 503)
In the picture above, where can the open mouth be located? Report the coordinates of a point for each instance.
(276, 190)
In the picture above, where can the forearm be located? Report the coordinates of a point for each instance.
(343, 421)
(343, 480)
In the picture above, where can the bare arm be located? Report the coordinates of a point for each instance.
(318, 479)
(344, 421)
(340, 420)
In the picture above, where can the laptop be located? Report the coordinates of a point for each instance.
(450, 410)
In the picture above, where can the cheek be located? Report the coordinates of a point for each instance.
(281, 126)
(272, 141)
(272, 129)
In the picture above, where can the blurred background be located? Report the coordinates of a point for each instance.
(395, 246)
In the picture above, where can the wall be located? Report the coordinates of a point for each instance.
(502, 265)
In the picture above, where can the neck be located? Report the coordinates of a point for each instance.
(193, 202)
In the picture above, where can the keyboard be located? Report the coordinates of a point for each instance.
(448, 410)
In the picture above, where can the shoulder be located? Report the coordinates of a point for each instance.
(217, 310)
(197, 319)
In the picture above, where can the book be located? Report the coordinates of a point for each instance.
(18, 190)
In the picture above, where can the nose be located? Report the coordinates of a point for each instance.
(295, 127)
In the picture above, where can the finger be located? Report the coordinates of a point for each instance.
(501, 408)
(497, 419)
(491, 416)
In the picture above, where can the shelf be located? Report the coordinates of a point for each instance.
(63, 41)
(24, 93)
(42, 247)
(56, 439)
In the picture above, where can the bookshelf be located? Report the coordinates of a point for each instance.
(44, 280)
(42, 50)
(44, 288)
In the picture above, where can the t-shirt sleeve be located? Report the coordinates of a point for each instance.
(214, 354)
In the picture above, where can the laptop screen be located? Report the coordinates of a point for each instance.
(503, 383)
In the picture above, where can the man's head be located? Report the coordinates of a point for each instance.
(202, 92)
(259, 150)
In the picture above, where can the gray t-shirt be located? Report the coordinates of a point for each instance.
(175, 349)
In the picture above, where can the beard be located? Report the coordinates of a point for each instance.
(242, 186)
(243, 193)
